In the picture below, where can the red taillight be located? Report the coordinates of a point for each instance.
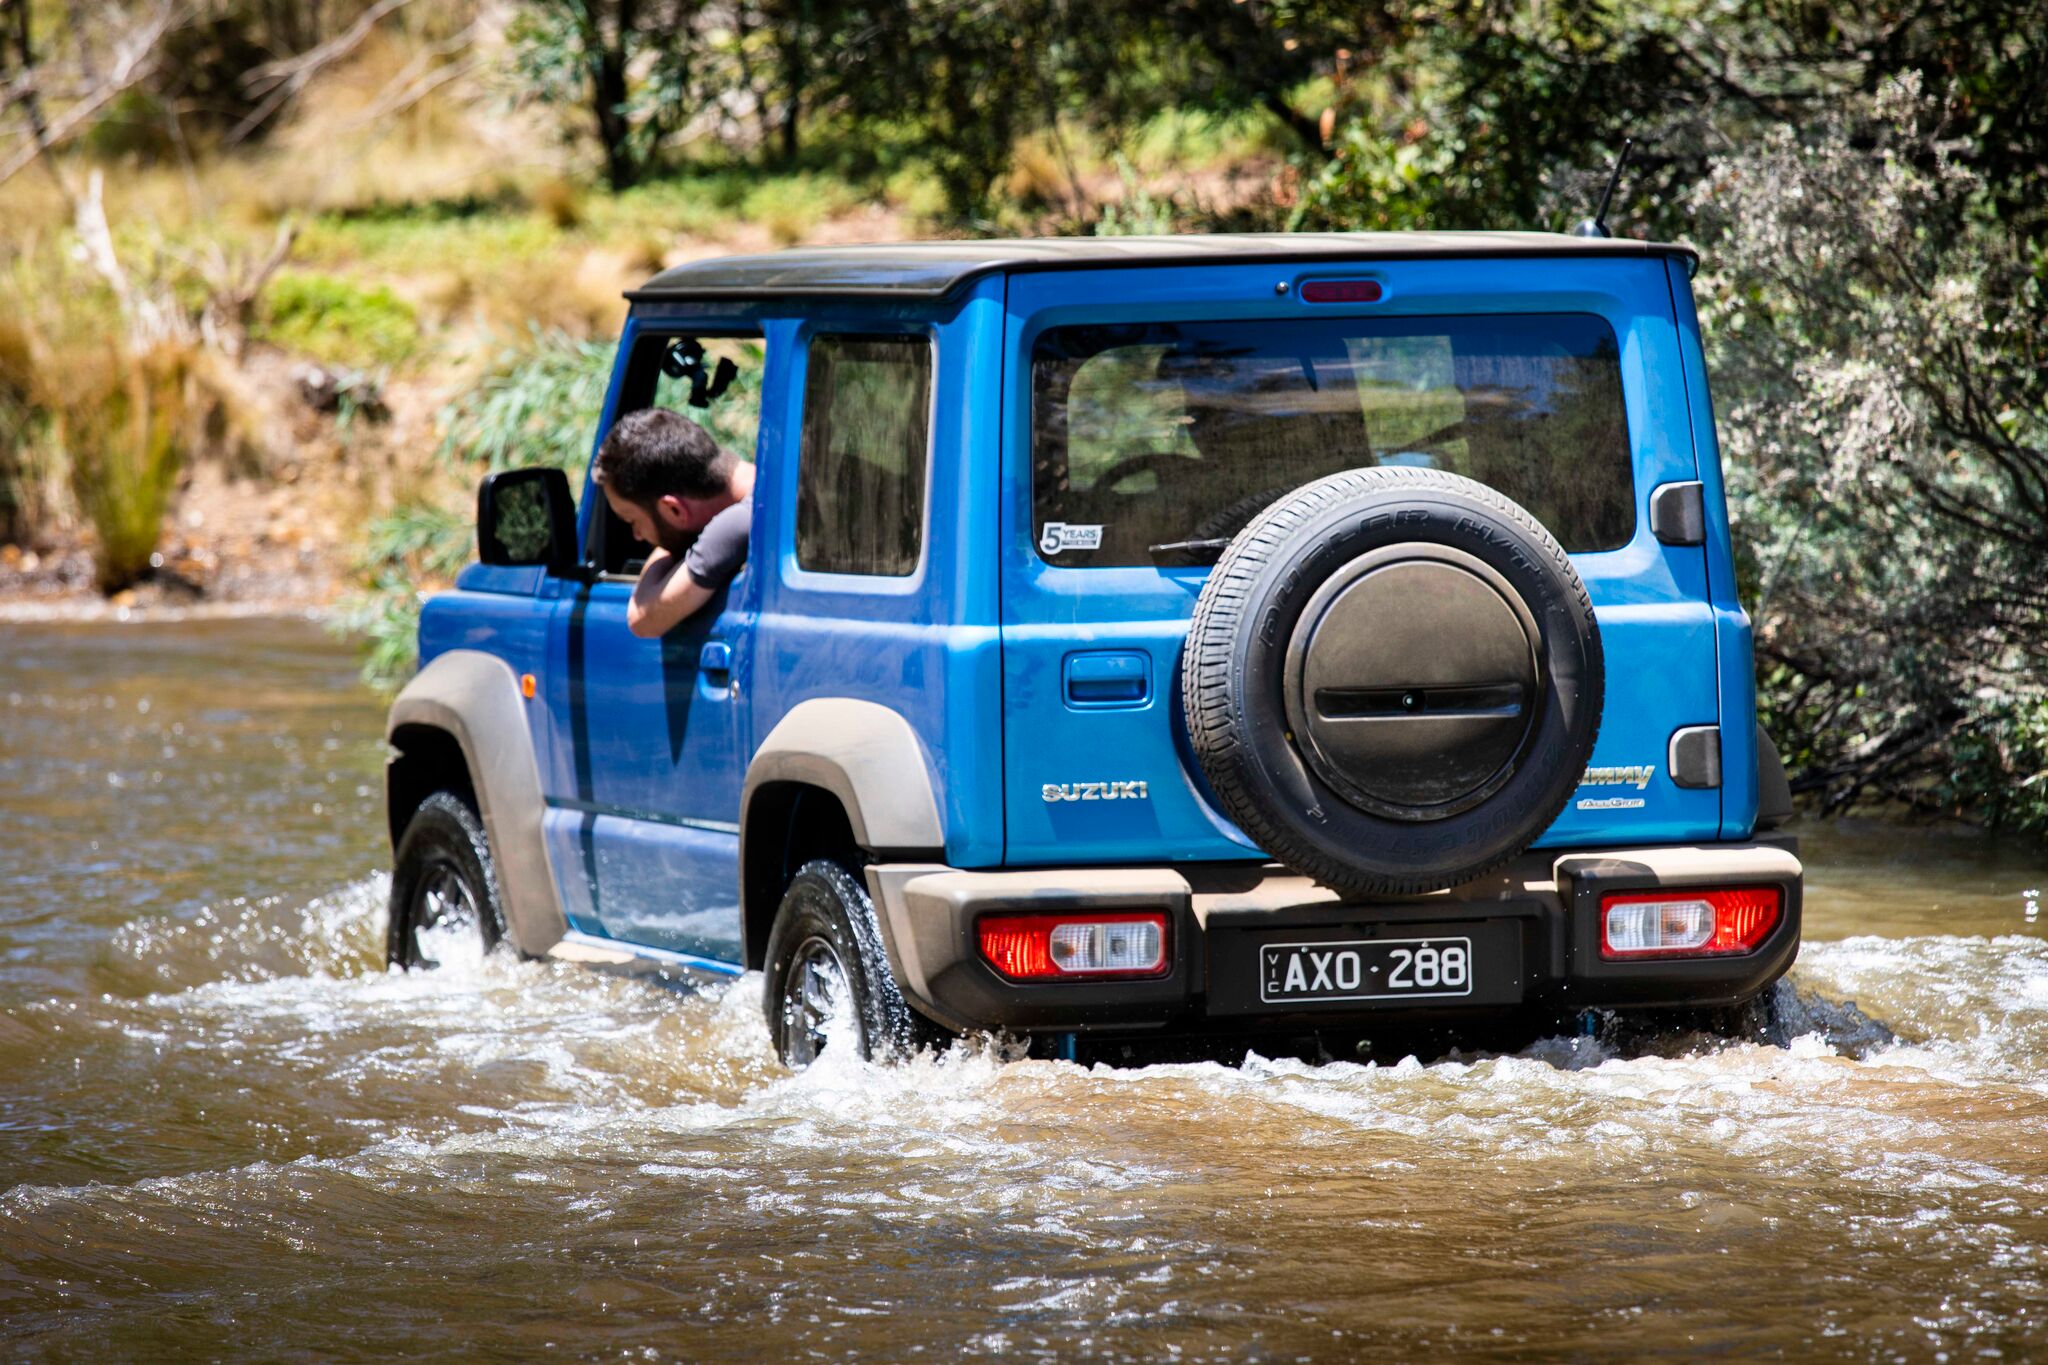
(1687, 922)
(1340, 291)
(1056, 947)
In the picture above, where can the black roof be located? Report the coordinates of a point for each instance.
(922, 271)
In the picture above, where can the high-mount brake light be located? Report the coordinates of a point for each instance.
(1061, 947)
(1341, 291)
(1688, 922)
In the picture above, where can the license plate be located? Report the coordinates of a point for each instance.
(1366, 969)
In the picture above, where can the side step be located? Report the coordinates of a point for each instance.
(636, 959)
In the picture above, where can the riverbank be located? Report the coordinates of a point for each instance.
(234, 547)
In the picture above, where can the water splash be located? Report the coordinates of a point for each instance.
(652, 1137)
(247, 938)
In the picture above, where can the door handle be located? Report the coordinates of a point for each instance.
(715, 659)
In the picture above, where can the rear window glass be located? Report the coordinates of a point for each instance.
(1154, 442)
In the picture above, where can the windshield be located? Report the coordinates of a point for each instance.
(1155, 443)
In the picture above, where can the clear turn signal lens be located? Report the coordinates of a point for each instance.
(1116, 946)
(1687, 923)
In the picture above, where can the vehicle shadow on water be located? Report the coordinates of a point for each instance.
(1571, 1042)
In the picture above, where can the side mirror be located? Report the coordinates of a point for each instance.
(526, 517)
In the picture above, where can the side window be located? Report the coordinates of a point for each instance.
(861, 469)
(731, 408)
(715, 381)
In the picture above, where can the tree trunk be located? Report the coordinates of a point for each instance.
(608, 54)
(790, 48)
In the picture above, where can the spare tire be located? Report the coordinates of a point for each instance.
(1393, 680)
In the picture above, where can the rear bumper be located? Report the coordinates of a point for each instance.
(1540, 914)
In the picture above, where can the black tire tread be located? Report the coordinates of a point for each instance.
(890, 1029)
(448, 815)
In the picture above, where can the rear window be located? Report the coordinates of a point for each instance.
(1154, 443)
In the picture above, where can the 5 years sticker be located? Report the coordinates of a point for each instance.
(1067, 535)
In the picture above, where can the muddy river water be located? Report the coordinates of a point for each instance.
(226, 1130)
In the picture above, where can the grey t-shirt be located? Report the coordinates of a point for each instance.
(720, 550)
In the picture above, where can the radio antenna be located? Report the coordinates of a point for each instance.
(1596, 226)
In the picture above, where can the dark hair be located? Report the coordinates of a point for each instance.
(652, 453)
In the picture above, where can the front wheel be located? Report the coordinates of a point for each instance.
(827, 975)
(442, 886)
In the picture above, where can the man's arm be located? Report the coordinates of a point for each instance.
(664, 597)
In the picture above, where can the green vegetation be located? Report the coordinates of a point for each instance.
(1869, 193)
(538, 405)
(20, 436)
(1867, 185)
(331, 319)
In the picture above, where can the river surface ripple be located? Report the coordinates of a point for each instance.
(225, 1130)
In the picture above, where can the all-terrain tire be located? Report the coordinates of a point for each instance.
(443, 874)
(1392, 820)
(826, 927)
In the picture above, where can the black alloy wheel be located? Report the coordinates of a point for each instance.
(442, 879)
(826, 970)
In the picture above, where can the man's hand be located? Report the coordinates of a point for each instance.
(664, 596)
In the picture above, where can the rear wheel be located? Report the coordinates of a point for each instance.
(1663, 1031)
(443, 887)
(827, 976)
(1759, 1019)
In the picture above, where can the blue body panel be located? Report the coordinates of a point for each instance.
(1657, 624)
(1016, 674)
(504, 621)
(642, 881)
(926, 645)
(645, 769)
(1738, 662)
(648, 754)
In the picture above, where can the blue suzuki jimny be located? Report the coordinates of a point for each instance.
(1233, 635)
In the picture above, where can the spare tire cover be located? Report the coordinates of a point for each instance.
(1393, 680)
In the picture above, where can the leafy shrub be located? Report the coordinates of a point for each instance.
(1191, 135)
(1141, 213)
(790, 207)
(538, 405)
(1874, 296)
(335, 320)
(1877, 343)
(17, 417)
(418, 542)
(1379, 183)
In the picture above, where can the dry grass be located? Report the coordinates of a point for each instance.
(1039, 177)
(123, 421)
(559, 202)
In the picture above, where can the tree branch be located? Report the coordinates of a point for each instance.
(280, 81)
(135, 57)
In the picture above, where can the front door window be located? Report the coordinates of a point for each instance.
(643, 820)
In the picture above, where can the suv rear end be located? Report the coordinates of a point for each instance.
(1151, 412)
